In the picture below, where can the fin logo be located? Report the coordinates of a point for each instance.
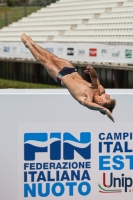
(54, 143)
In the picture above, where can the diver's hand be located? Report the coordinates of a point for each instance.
(108, 113)
(88, 69)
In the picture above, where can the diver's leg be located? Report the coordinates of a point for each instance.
(42, 56)
(59, 62)
(52, 63)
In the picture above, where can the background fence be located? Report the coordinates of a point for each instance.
(36, 73)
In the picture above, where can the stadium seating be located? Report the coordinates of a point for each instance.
(95, 21)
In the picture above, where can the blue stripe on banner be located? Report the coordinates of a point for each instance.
(42, 137)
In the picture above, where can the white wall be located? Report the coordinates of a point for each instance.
(53, 106)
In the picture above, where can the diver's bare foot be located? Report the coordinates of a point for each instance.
(25, 40)
(30, 40)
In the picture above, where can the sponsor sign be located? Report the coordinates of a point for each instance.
(81, 52)
(70, 51)
(55, 164)
(75, 51)
(116, 54)
(93, 52)
(115, 162)
(6, 49)
(14, 50)
(128, 53)
(17, 50)
(104, 52)
(73, 161)
(60, 50)
(50, 49)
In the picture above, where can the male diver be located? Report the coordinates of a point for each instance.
(92, 95)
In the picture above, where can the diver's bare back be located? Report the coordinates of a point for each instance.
(78, 87)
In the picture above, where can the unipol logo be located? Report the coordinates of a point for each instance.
(39, 142)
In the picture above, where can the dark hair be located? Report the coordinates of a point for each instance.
(110, 106)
